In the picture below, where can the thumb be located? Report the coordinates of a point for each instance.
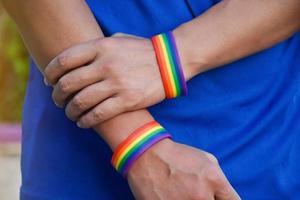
(119, 34)
(126, 35)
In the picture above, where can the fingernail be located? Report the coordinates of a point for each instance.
(57, 105)
(79, 124)
(45, 81)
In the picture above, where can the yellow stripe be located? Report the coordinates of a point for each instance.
(135, 142)
(168, 65)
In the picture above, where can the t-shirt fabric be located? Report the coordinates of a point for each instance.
(246, 113)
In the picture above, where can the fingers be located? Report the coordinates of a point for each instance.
(104, 111)
(225, 191)
(126, 35)
(88, 98)
(121, 35)
(73, 82)
(69, 59)
(218, 181)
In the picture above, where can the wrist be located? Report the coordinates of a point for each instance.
(192, 63)
(116, 130)
(169, 64)
(136, 144)
(154, 156)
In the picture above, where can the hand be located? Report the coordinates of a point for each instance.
(105, 77)
(170, 170)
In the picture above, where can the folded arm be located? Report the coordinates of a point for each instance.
(230, 30)
(50, 26)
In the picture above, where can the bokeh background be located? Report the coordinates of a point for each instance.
(13, 77)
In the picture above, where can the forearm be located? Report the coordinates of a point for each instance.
(233, 29)
(49, 27)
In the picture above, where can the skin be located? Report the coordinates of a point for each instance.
(199, 177)
(122, 73)
(239, 28)
(116, 92)
(58, 25)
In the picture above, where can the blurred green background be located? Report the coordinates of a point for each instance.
(13, 70)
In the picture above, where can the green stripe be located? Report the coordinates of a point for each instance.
(172, 64)
(129, 153)
(138, 145)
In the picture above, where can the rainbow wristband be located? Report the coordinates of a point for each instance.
(136, 144)
(169, 65)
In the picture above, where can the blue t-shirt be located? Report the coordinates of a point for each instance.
(246, 113)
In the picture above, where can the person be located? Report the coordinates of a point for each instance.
(240, 59)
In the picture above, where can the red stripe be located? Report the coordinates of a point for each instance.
(162, 66)
(131, 138)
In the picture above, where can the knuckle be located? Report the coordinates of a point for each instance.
(62, 59)
(212, 158)
(228, 194)
(63, 85)
(98, 115)
(213, 176)
(78, 103)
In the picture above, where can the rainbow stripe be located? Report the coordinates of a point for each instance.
(169, 65)
(136, 144)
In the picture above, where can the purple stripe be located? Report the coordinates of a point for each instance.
(178, 63)
(142, 150)
(10, 133)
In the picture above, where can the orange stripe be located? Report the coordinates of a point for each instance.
(163, 67)
(168, 66)
(168, 77)
(131, 138)
(160, 65)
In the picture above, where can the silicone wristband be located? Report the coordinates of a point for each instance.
(136, 144)
(169, 65)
